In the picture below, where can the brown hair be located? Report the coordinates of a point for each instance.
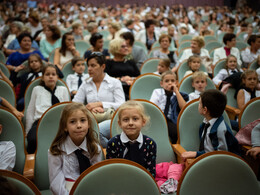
(44, 70)
(166, 62)
(246, 74)
(226, 64)
(169, 72)
(191, 58)
(61, 136)
(165, 36)
(38, 58)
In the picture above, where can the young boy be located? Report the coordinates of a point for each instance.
(170, 101)
(74, 80)
(77, 31)
(163, 66)
(218, 134)
(199, 83)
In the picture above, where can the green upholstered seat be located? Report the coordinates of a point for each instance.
(4, 69)
(67, 69)
(150, 65)
(7, 92)
(82, 47)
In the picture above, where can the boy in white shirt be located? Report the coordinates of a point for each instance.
(75, 80)
(199, 83)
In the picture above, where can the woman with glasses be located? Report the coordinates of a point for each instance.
(119, 67)
(96, 40)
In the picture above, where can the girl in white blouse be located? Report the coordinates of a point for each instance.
(42, 98)
(74, 149)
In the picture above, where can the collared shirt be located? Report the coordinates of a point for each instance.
(222, 75)
(40, 101)
(194, 95)
(7, 155)
(110, 92)
(72, 81)
(66, 165)
(124, 139)
(31, 74)
(248, 56)
(247, 95)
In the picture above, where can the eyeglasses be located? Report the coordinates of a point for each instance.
(96, 53)
(124, 46)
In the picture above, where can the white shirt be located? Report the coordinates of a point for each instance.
(248, 56)
(248, 95)
(258, 73)
(220, 53)
(110, 92)
(40, 101)
(124, 139)
(7, 155)
(194, 95)
(222, 75)
(72, 81)
(66, 165)
(187, 53)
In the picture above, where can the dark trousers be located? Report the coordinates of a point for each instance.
(172, 131)
(31, 138)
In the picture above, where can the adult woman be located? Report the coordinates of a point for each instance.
(114, 29)
(96, 40)
(15, 60)
(67, 50)
(51, 42)
(164, 52)
(196, 48)
(100, 91)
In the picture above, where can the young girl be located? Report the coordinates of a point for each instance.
(199, 83)
(170, 101)
(163, 66)
(131, 144)
(194, 62)
(248, 91)
(35, 65)
(42, 98)
(230, 75)
(74, 149)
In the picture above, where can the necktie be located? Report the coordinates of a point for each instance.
(233, 71)
(35, 75)
(168, 103)
(54, 99)
(204, 133)
(133, 151)
(80, 80)
(84, 162)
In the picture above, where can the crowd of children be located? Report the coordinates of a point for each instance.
(102, 86)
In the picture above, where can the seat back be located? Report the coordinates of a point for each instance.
(157, 130)
(143, 86)
(250, 112)
(181, 52)
(117, 176)
(186, 84)
(106, 44)
(105, 33)
(156, 44)
(5, 70)
(140, 44)
(67, 69)
(51, 56)
(212, 45)
(220, 37)
(82, 47)
(150, 54)
(185, 38)
(231, 100)
(150, 65)
(46, 132)
(22, 184)
(241, 45)
(218, 66)
(253, 65)
(2, 57)
(13, 131)
(183, 45)
(219, 172)
(188, 123)
(208, 38)
(7, 92)
(183, 67)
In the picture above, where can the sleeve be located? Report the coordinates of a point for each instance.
(255, 136)
(31, 109)
(43, 48)
(98, 157)
(216, 56)
(151, 158)
(111, 149)
(56, 176)
(81, 94)
(140, 58)
(68, 82)
(155, 98)
(245, 56)
(136, 70)
(239, 62)
(119, 96)
(66, 95)
(8, 156)
(220, 76)
(222, 143)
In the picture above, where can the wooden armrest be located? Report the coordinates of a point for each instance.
(104, 152)
(245, 147)
(178, 149)
(28, 170)
(232, 112)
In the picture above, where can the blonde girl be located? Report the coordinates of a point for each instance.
(249, 88)
(42, 98)
(74, 149)
(194, 63)
(131, 144)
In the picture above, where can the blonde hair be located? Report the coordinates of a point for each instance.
(226, 64)
(199, 40)
(199, 74)
(169, 72)
(136, 105)
(92, 138)
(115, 45)
(115, 26)
(246, 74)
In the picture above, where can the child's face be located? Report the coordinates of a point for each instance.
(202, 110)
(77, 126)
(131, 122)
(50, 77)
(195, 64)
(35, 64)
(168, 82)
(251, 81)
(78, 31)
(199, 84)
(161, 68)
(79, 67)
(232, 63)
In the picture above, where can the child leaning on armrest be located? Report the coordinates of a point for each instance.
(215, 134)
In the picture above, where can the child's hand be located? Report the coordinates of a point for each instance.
(74, 92)
(93, 105)
(19, 68)
(174, 88)
(18, 114)
(188, 154)
(255, 151)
